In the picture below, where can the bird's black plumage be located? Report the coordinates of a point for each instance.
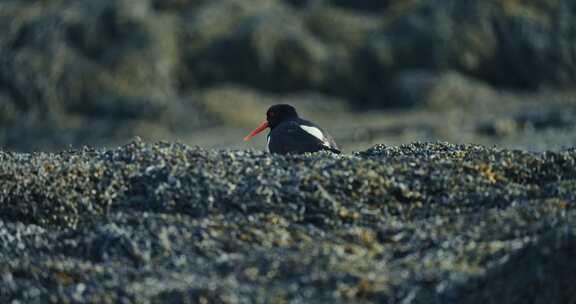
(291, 134)
(289, 137)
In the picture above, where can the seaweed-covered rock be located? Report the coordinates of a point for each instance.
(70, 69)
(438, 91)
(98, 58)
(355, 54)
(166, 222)
(540, 273)
(125, 57)
(553, 119)
(262, 45)
(505, 43)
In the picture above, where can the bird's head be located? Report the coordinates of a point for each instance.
(275, 115)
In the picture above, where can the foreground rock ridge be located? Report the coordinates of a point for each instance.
(163, 222)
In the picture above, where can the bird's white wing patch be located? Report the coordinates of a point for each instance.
(316, 133)
(268, 142)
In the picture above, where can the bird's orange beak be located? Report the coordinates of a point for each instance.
(261, 128)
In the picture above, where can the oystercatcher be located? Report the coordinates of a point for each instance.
(291, 134)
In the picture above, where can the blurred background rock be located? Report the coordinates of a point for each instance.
(83, 72)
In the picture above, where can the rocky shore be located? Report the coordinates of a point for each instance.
(164, 222)
(488, 217)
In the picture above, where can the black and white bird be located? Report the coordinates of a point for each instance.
(291, 134)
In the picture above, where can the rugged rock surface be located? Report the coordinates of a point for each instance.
(163, 222)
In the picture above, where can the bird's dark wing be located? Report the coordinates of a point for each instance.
(300, 136)
(327, 140)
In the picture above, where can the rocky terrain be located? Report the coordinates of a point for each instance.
(419, 223)
(457, 120)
